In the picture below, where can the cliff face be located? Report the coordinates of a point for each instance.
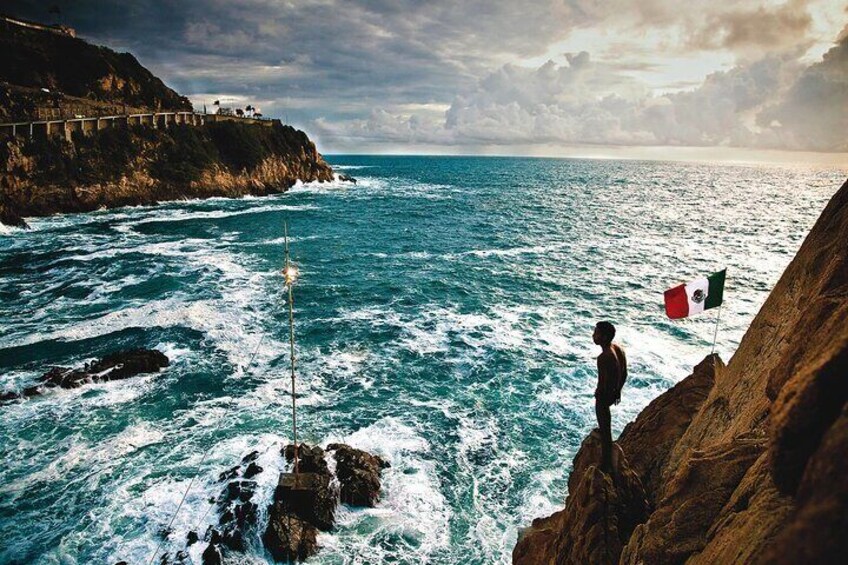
(743, 463)
(119, 167)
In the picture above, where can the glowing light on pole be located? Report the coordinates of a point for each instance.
(290, 274)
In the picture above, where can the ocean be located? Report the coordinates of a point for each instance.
(443, 320)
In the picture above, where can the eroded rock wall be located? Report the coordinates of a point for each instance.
(142, 166)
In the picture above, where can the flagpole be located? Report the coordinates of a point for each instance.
(715, 335)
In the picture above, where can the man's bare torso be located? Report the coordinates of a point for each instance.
(612, 371)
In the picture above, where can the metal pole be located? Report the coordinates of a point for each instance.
(291, 344)
(715, 335)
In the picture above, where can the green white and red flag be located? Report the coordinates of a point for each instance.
(692, 298)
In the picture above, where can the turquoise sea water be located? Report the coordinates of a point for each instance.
(443, 318)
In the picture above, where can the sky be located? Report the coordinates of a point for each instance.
(601, 78)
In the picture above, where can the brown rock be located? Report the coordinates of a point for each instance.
(310, 459)
(695, 497)
(312, 495)
(359, 474)
(753, 513)
(816, 531)
(649, 439)
(805, 410)
(287, 537)
(600, 514)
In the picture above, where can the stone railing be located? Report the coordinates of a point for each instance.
(158, 120)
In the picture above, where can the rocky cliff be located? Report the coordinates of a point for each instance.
(119, 167)
(66, 65)
(45, 74)
(743, 463)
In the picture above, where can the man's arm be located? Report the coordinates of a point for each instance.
(623, 364)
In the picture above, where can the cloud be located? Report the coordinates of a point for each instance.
(814, 113)
(774, 102)
(385, 70)
(756, 30)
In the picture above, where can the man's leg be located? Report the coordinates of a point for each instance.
(602, 411)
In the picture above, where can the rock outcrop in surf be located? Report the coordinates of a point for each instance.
(302, 507)
(295, 515)
(743, 463)
(116, 366)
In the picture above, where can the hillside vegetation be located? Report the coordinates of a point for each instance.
(67, 66)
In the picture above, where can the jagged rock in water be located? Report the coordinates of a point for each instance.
(317, 503)
(229, 474)
(250, 457)
(600, 513)
(238, 513)
(12, 218)
(116, 366)
(310, 459)
(287, 537)
(347, 178)
(305, 502)
(359, 474)
(212, 555)
(252, 470)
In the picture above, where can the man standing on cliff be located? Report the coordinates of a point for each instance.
(612, 372)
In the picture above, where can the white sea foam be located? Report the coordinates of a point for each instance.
(352, 167)
(412, 505)
(187, 215)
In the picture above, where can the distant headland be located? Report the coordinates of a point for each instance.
(83, 127)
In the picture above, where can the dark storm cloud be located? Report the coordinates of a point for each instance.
(397, 45)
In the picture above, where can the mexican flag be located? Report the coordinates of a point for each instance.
(696, 296)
